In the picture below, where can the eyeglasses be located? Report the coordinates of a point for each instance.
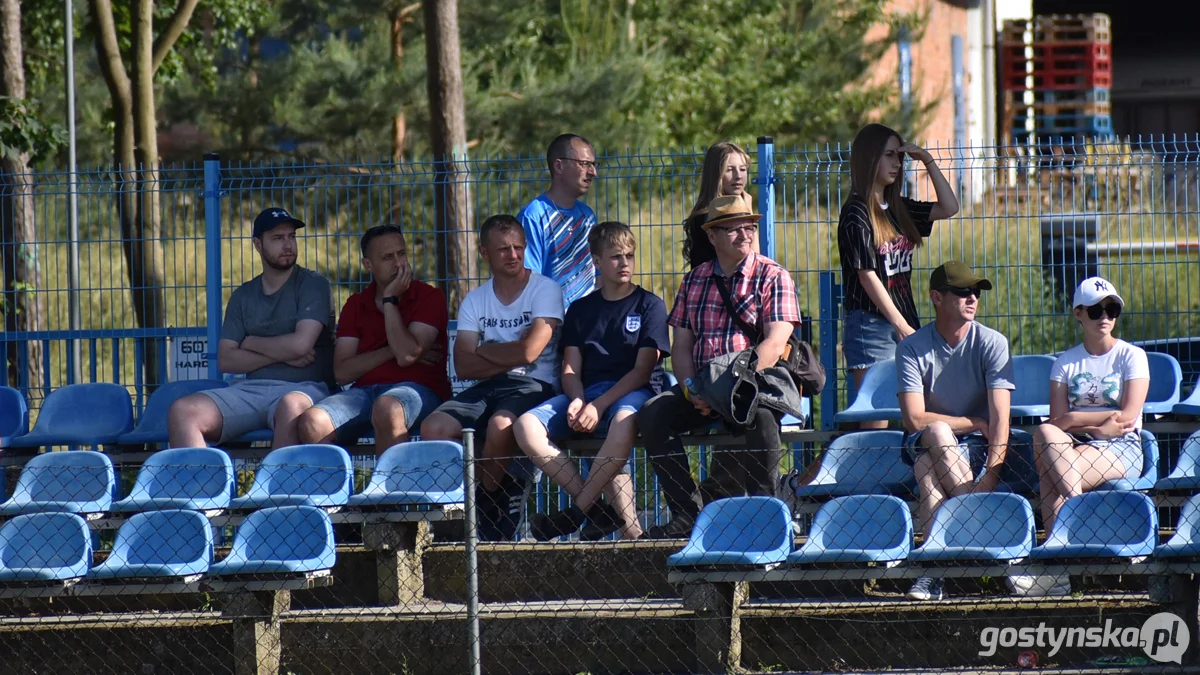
(748, 228)
(963, 292)
(1112, 309)
(583, 163)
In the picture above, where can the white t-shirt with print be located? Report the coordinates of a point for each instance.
(482, 312)
(1095, 383)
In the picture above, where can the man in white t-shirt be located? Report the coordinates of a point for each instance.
(508, 341)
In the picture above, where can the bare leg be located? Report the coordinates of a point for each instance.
(387, 416)
(620, 496)
(498, 448)
(610, 460)
(287, 413)
(860, 374)
(532, 438)
(315, 426)
(941, 471)
(193, 421)
(1067, 470)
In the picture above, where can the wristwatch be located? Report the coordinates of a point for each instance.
(392, 299)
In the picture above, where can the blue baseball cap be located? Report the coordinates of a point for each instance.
(272, 217)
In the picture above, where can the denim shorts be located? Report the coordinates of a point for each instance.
(973, 447)
(867, 339)
(1127, 448)
(553, 413)
(350, 410)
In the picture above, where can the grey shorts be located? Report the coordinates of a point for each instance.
(249, 405)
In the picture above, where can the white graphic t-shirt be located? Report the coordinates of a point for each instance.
(482, 312)
(1095, 383)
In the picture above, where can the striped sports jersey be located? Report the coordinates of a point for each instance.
(556, 245)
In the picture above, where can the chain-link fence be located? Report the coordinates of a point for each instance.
(887, 553)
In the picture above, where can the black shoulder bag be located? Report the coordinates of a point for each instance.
(798, 357)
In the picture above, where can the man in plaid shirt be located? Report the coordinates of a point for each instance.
(764, 295)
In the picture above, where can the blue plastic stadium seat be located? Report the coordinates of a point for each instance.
(1102, 524)
(738, 531)
(876, 399)
(71, 482)
(14, 415)
(417, 472)
(1149, 474)
(1186, 540)
(1165, 378)
(1186, 474)
(1031, 398)
(1190, 405)
(309, 475)
(257, 436)
(170, 543)
(200, 479)
(44, 547)
(979, 527)
(152, 426)
(858, 529)
(280, 540)
(97, 413)
(864, 462)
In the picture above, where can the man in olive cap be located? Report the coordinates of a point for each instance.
(955, 382)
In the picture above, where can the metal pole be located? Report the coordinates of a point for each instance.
(987, 10)
(766, 198)
(212, 258)
(75, 321)
(472, 535)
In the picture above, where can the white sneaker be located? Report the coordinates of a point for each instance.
(1039, 586)
(926, 588)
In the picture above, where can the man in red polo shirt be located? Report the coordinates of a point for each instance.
(382, 335)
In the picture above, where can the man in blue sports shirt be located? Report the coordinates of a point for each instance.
(557, 224)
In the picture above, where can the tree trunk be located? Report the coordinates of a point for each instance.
(143, 250)
(398, 123)
(23, 310)
(456, 262)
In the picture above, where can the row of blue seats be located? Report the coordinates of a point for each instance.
(166, 545)
(110, 418)
(983, 527)
(110, 421)
(876, 400)
(865, 462)
(202, 479)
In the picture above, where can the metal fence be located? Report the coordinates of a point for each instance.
(404, 586)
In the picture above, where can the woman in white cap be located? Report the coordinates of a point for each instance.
(1097, 390)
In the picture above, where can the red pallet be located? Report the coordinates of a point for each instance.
(1055, 60)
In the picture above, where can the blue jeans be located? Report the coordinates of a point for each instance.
(553, 413)
(350, 410)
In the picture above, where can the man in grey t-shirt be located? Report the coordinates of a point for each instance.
(278, 331)
(955, 381)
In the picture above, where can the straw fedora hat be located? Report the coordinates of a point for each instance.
(729, 209)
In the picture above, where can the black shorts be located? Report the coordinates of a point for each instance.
(516, 394)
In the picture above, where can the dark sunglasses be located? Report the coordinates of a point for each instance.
(1112, 309)
(963, 292)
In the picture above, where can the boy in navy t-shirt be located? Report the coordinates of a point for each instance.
(614, 339)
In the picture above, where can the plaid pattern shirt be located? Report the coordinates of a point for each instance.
(762, 292)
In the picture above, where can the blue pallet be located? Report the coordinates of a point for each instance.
(1064, 124)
